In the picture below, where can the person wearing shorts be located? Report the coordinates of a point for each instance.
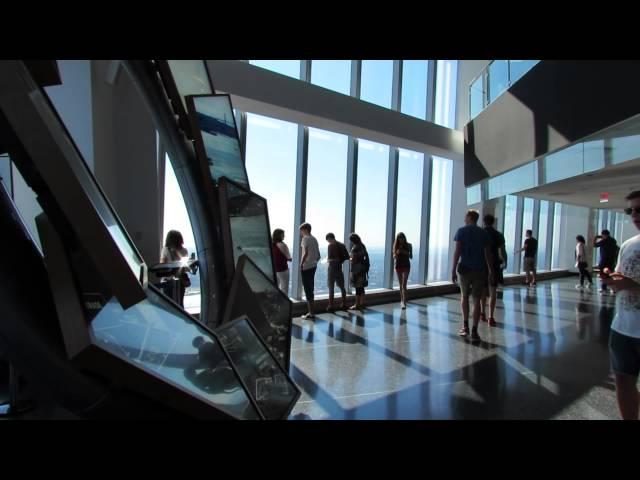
(335, 276)
(530, 249)
(496, 244)
(471, 261)
(624, 341)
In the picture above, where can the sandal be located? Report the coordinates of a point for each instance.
(464, 331)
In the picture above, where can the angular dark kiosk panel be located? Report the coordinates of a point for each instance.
(182, 78)
(268, 383)
(111, 322)
(254, 294)
(216, 137)
(42, 149)
(245, 228)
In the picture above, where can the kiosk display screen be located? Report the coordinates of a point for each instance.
(156, 337)
(253, 294)
(272, 389)
(248, 226)
(216, 137)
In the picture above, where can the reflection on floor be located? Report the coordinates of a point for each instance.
(547, 359)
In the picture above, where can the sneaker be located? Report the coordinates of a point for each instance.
(464, 331)
(474, 335)
(404, 306)
(579, 287)
(589, 286)
(308, 315)
(492, 322)
(483, 317)
(533, 284)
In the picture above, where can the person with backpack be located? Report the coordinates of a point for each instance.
(360, 264)
(402, 253)
(308, 264)
(608, 253)
(337, 253)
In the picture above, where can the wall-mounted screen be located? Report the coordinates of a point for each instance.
(216, 137)
(269, 384)
(246, 228)
(254, 294)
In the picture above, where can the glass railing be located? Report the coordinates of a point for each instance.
(496, 77)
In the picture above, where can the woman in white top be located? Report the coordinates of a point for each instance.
(581, 263)
(174, 251)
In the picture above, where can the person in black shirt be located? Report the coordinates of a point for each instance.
(498, 253)
(530, 249)
(608, 252)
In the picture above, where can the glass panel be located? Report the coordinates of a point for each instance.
(564, 164)
(593, 156)
(269, 310)
(326, 193)
(498, 78)
(473, 194)
(510, 210)
(271, 165)
(625, 148)
(290, 68)
(414, 88)
(519, 68)
(191, 78)
(440, 220)
(332, 74)
(268, 384)
(527, 223)
(409, 206)
(5, 173)
(376, 82)
(446, 77)
(88, 183)
(371, 205)
(542, 234)
(219, 137)
(557, 219)
(249, 224)
(176, 217)
(476, 95)
(516, 180)
(158, 339)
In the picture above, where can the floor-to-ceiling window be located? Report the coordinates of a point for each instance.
(557, 225)
(408, 206)
(414, 88)
(271, 153)
(290, 68)
(446, 78)
(542, 235)
(371, 205)
(440, 220)
(510, 211)
(527, 223)
(332, 74)
(326, 192)
(177, 218)
(376, 82)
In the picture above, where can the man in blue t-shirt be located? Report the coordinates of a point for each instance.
(474, 256)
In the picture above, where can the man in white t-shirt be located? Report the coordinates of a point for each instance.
(624, 343)
(310, 252)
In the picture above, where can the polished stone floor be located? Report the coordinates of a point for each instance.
(546, 359)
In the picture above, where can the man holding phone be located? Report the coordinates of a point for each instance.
(624, 342)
